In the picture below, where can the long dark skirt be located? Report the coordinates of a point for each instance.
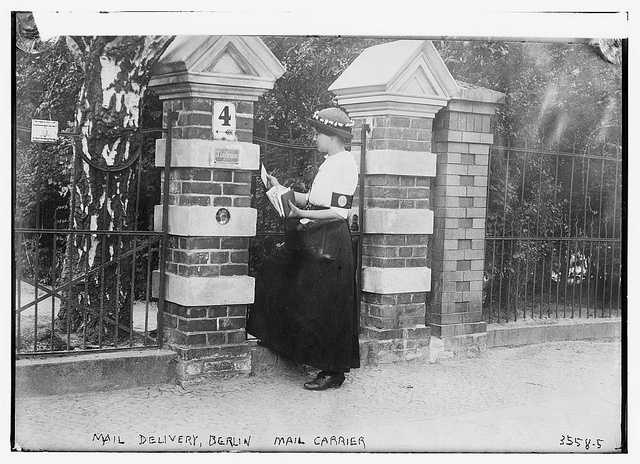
(304, 307)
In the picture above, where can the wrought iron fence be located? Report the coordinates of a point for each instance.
(45, 286)
(553, 235)
(87, 290)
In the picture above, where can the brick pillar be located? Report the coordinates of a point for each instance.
(398, 101)
(462, 137)
(208, 288)
(204, 256)
(397, 225)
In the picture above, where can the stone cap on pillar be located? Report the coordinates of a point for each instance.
(403, 78)
(475, 99)
(223, 67)
(476, 93)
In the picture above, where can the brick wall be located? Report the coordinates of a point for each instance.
(205, 325)
(462, 138)
(394, 311)
(399, 192)
(195, 118)
(209, 187)
(208, 256)
(401, 133)
(394, 250)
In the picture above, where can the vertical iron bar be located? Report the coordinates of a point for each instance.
(516, 244)
(493, 260)
(590, 260)
(519, 241)
(613, 234)
(589, 271)
(605, 275)
(576, 243)
(613, 266)
(132, 289)
(584, 233)
(70, 244)
(553, 246)
(171, 116)
(503, 241)
(147, 294)
(559, 282)
(542, 288)
(135, 244)
(535, 267)
(612, 280)
(511, 251)
(54, 261)
(551, 263)
(101, 309)
(486, 236)
(621, 260)
(36, 273)
(526, 254)
(103, 253)
(86, 291)
(16, 308)
(600, 214)
(619, 293)
(36, 261)
(568, 260)
(117, 291)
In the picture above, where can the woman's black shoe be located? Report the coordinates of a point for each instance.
(322, 382)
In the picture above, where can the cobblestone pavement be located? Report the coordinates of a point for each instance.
(534, 398)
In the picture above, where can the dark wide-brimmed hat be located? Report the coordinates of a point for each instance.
(332, 121)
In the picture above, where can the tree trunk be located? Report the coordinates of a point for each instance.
(117, 71)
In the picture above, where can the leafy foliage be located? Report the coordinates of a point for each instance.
(557, 95)
(312, 64)
(46, 87)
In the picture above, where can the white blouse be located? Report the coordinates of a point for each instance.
(335, 183)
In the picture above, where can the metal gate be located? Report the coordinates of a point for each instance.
(67, 301)
(553, 235)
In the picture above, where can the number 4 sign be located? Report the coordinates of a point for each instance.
(224, 121)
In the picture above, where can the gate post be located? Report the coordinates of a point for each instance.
(211, 82)
(397, 87)
(461, 138)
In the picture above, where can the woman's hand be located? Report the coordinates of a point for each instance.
(272, 180)
(295, 211)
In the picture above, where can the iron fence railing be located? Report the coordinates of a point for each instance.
(87, 290)
(553, 235)
(110, 318)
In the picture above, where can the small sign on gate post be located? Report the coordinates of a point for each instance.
(44, 131)
(224, 120)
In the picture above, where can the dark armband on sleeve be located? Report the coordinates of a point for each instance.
(340, 200)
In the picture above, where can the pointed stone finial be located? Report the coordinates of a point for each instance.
(229, 67)
(404, 78)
